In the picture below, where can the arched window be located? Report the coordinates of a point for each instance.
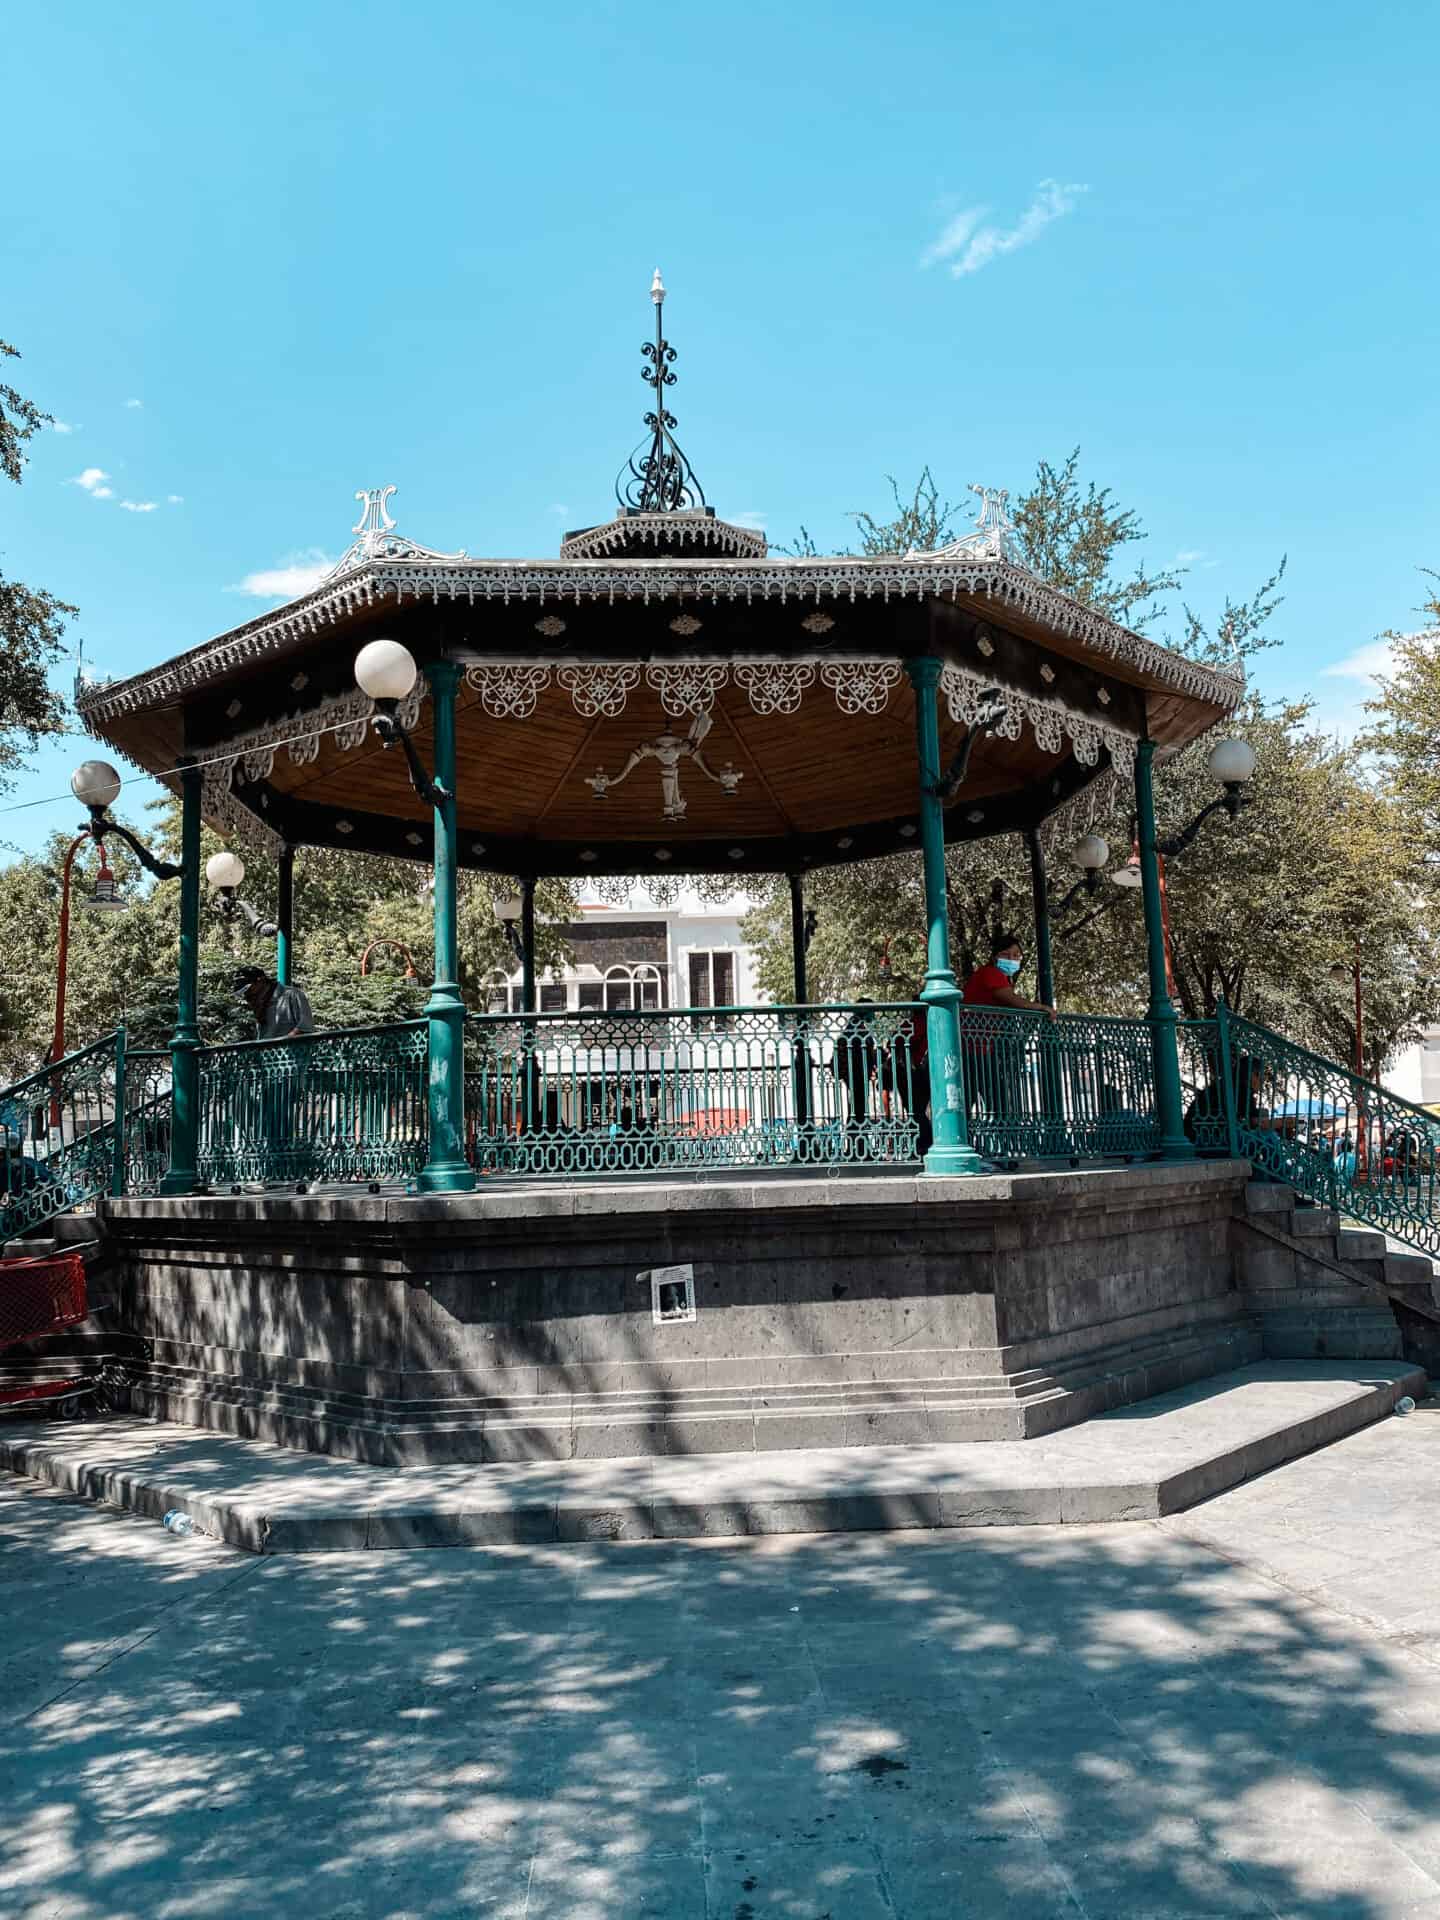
(495, 990)
(633, 988)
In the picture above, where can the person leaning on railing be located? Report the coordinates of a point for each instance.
(997, 1080)
(281, 1013)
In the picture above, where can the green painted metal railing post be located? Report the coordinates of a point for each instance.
(1227, 1070)
(446, 1170)
(800, 1044)
(117, 1159)
(951, 1151)
(1052, 1139)
(285, 917)
(1169, 1103)
(183, 1176)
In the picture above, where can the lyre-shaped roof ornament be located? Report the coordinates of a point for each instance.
(376, 538)
(994, 537)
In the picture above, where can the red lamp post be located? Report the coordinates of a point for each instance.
(385, 941)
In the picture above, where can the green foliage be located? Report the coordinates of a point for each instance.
(31, 621)
(1404, 733)
(1261, 908)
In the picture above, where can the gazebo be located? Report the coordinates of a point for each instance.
(667, 698)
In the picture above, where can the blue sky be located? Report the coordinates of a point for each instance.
(256, 258)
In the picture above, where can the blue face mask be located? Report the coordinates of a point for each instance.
(1010, 967)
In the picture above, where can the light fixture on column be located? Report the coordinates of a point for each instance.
(508, 910)
(386, 672)
(225, 873)
(1089, 853)
(96, 785)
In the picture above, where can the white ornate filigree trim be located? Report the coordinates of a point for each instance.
(687, 686)
(861, 686)
(542, 582)
(601, 689)
(1097, 801)
(508, 692)
(1051, 721)
(775, 686)
(378, 539)
(669, 529)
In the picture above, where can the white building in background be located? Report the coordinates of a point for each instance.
(1415, 1072)
(690, 954)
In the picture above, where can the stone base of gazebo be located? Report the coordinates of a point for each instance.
(714, 1315)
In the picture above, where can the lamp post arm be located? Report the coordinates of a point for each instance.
(162, 869)
(1231, 801)
(432, 792)
(1068, 933)
(267, 929)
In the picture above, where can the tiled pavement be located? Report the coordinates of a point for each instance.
(1233, 1712)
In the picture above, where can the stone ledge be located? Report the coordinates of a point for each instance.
(1139, 1463)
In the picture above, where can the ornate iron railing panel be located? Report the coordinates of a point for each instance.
(57, 1138)
(694, 1088)
(348, 1104)
(145, 1139)
(1332, 1135)
(1076, 1086)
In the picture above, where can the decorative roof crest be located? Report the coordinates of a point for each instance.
(663, 481)
(994, 537)
(378, 539)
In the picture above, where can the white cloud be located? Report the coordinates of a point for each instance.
(134, 403)
(62, 426)
(92, 480)
(967, 245)
(175, 499)
(299, 573)
(139, 506)
(1366, 663)
(102, 493)
(1187, 556)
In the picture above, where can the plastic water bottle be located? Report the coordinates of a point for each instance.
(179, 1522)
(1404, 1404)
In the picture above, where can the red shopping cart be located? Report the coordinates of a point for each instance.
(40, 1296)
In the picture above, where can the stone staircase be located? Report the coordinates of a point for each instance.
(1306, 1309)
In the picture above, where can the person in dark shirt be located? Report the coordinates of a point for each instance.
(994, 1057)
(281, 1013)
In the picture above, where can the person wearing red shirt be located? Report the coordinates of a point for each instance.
(995, 1070)
(994, 985)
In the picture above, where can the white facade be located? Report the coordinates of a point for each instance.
(690, 954)
(1415, 1072)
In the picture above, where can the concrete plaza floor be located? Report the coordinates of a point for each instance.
(1232, 1712)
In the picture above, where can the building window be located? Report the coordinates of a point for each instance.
(592, 996)
(633, 989)
(497, 994)
(712, 979)
(552, 999)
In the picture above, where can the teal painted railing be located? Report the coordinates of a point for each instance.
(1334, 1136)
(347, 1104)
(596, 1094)
(57, 1137)
(1076, 1087)
(691, 1088)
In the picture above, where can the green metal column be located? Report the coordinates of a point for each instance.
(951, 1151)
(802, 1063)
(1044, 957)
(285, 916)
(1169, 1101)
(446, 1170)
(183, 1176)
(797, 935)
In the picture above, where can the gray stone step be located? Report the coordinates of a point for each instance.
(1133, 1464)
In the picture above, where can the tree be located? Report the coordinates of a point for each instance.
(1404, 734)
(31, 620)
(1261, 908)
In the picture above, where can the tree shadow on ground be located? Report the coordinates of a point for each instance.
(1096, 1722)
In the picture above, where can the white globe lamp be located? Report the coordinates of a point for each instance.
(1090, 853)
(95, 783)
(1231, 762)
(385, 670)
(225, 869)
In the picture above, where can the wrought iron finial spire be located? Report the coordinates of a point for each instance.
(659, 478)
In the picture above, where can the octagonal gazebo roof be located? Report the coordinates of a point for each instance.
(774, 687)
